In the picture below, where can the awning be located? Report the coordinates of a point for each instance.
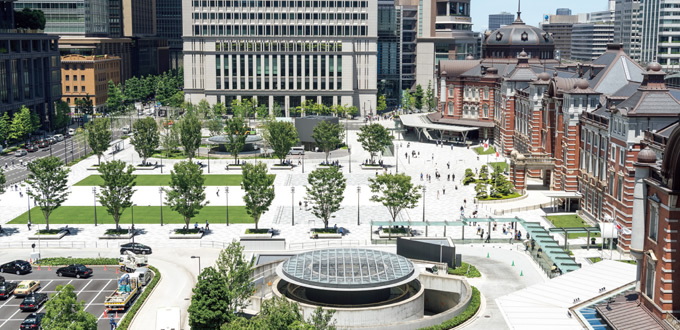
(562, 194)
(421, 121)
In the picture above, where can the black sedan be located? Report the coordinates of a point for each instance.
(17, 267)
(7, 289)
(75, 270)
(33, 301)
(32, 148)
(135, 248)
(32, 321)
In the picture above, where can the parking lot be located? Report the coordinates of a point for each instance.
(92, 290)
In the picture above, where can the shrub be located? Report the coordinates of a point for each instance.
(187, 231)
(125, 322)
(396, 230)
(463, 271)
(469, 312)
(469, 177)
(85, 261)
(481, 190)
(49, 232)
(325, 230)
(117, 232)
(257, 231)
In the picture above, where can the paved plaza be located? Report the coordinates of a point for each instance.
(442, 200)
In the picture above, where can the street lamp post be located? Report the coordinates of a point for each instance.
(199, 263)
(132, 211)
(94, 195)
(349, 150)
(161, 162)
(358, 208)
(397, 156)
(303, 163)
(424, 203)
(226, 199)
(28, 197)
(208, 160)
(292, 204)
(160, 192)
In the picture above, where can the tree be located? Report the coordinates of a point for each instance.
(382, 104)
(395, 192)
(277, 111)
(21, 124)
(62, 117)
(325, 191)
(327, 136)
(236, 270)
(115, 99)
(64, 311)
(259, 188)
(215, 125)
(29, 19)
(281, 136)
(48, 181)
(353, 111)
(35, 122)
(407, 100)
(484, 173)
(3, 180)
(84, 105)
(241, 108)
(430, 97)
(203, 109)
(132, 90)
(118, 188)
(237, 132)
(99, 136)
(186, 195)
(322, 320)
(5, 128)
(209, 301)
(145, 137)
(176, 100)
(170, 139)
(501, 185)
(190, 134)
(374, 138)
(219, 109)
(418, 97)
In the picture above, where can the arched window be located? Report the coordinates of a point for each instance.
(465, 111)
(450, 90)
(450, 113)
(486, 110)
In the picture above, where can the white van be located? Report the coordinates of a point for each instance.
(58, 137)
(126, 130)
(71, 131)
(144, 275)
(297, 151)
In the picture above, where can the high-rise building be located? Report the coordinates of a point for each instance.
(396, 49)
(563, 11)
(627, 24)
(650, 34)
(168, 14)
(589, 41)
(29, 69)
(281, 52)
(498, 20)
(72, 17)
(561, 32)
(139, 18)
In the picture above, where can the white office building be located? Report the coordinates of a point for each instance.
(281, 52)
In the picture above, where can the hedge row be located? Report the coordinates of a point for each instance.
(130, 315)
(463, 271)
(84, 261)
(469, 312)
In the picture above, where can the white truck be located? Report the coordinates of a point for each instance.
(129, 261)
(128, 289)
(168, 318)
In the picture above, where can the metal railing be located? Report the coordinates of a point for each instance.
(60, 244)
(337, 243)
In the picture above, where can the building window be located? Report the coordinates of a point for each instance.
(654, 222)
(622, 156)
(619, 192)
(486, 93)
(75, 78)
(650, 276)
(613, 153)
(68, 88)
(486, 110)
(450, 112)
(67, 76)
(450, 91)
(75, 88)
(611, 184)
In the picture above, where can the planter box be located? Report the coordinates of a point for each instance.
(93, 168)
(372, 167)
(233, 167)
(326, 166)
(256, 236)
(282, 167)
(322, 235)
(174, 235)
(126, 236)
(49, 237)
(145, 168)
(383, 234)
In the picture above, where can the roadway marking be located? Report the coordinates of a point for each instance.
(45, 303)
(95, 297)
(83, 289)
(11, 317)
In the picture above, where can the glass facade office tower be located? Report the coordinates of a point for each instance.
(281, 52)
(589, 41)
(396, 49)
(168, 26)
(627, 26)
(498, 20)
(563, 11)
(72, 17)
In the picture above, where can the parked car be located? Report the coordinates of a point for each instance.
(20, 152)
(58, 137)
(31, 148)
(33, 301)
(32, 321)
(51, 140)
(43, 144)
(135, 248)
(66, 135)
(17, 267)
(75, 270)
(126, 130)
(26, 287)
(7, 289)
(71, 131)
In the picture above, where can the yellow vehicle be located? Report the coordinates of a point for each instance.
(26, 287)
(122, 298)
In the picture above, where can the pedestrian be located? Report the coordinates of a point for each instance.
(448, 177)
(432, 156)
(218, 192)
(29, 224)
(207, 225)
(443, 190)
(465, 202)
(114, 325)
(16, 187)
(421, 176)
(453, 177)
(488, 238)
(305, 205)
(437, 194)
(12, 162)
(448, 165)
(300, 204)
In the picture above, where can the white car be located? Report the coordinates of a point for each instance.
(126, 130)
(72, 131)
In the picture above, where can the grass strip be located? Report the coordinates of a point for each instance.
(85, 261)
(130, 315)
(164, 180)
(143, 215)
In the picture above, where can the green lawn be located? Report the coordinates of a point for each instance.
(515, 195)
(502, 165)
(598, 259)
(566, 221)
(143, 214)
(490, 151)
(164, 180)
(463, 270)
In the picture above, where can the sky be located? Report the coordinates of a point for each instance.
(532, 10)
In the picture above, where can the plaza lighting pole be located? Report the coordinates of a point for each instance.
(396, 156)
(199, 263)
(349, 150)
(358, 208)
(132, 211)
(28, 191)
(208, 160)
(94, 195)
(160, 192)
(161, 162)
(292, 204)
(226, 198)
(423, 203)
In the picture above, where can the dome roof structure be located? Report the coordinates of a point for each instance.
(647, 156)
(519, 34)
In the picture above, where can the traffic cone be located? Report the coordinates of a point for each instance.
(104, 267)
(49, 268)
(513, 263)
(116, 314)
(487, 254)
(38, 267)
(105, 316)
(116, 270)
(521, 273)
